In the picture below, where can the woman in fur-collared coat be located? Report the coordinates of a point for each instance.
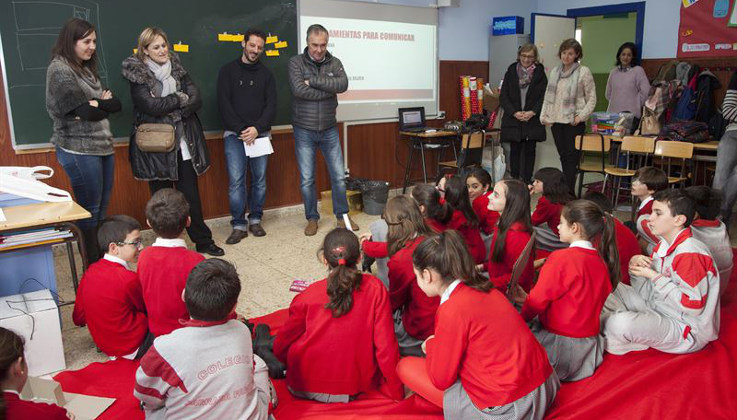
(163, 92)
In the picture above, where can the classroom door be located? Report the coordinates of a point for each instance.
(547, 32)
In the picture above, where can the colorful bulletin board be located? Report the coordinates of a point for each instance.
(708, 28)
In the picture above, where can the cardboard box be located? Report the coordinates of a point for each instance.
(355, 202)
(35, 317)
(84, 407)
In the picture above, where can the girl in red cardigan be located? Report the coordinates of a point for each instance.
(339, 340)
(13, 376)
(414, 312)
(552, 184)
(434, 209)
(483, 361)
(571, 290)
(478, 183)
(464, 220)
(512, 199)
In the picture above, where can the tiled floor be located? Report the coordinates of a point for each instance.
(266, 266)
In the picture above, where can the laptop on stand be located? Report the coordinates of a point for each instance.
(412, 119)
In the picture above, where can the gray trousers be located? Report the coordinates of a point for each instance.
(458, 405)
(725, 176)
(379, 231)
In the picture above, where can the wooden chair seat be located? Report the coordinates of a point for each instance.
(449, 164)
(614, 171)
(676, 179)
(592, 167)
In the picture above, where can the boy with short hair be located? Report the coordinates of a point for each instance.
(164, 266)
(647, 181)
(109, 299)
(677, 309)
(206, 369)
(711, 231)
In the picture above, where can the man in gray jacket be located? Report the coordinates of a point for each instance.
(316, 77)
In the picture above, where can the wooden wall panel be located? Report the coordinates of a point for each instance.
(375, 151)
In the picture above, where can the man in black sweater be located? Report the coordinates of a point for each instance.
(247, 103)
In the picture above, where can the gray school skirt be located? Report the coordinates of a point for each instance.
(321, 397)
(404, 339)
(572, 358)
(546, 239)
(458, 405)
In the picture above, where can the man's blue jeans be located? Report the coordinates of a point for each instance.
(237, 163)
(92, 183)
(306, 144)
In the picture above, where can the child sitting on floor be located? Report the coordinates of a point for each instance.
(552, 184)
(109, 300)
(463, 219)
(13, 376)
(571, 291)
(206, 369)
(647, 181)
(512, 199)
(164, 266)
(478, 182)
(414, 312)
(712, 232)
(339, 339)
(482, 362)
(676, 307)
(627, 243)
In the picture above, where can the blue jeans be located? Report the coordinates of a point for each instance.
(237, 163)
(306, 143)
(92, 183)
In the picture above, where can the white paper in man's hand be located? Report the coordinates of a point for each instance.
(261, 146)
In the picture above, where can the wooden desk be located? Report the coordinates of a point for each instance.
(42, 215)
(420, 141)
(710, 146)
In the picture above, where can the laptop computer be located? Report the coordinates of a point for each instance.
(412, 119)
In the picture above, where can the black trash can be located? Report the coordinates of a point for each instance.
(375, 195)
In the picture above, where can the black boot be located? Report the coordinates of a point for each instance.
(263, 345)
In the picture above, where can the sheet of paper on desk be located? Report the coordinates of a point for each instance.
(2, 216)
(260, 147)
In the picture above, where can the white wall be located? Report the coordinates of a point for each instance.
(660, 35)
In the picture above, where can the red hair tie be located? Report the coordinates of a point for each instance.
(341, 261)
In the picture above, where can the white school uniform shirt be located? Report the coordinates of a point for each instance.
(170, 243)
(446, 294)
(582, 244)
(113, 258)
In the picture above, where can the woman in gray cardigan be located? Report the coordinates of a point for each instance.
(79, 106)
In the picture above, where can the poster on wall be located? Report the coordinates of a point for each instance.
(708, 28)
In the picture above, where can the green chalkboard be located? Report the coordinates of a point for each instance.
(28, 30)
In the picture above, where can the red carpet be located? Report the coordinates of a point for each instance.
(639, 385)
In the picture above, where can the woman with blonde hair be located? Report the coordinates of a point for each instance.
(523, 90)
(163, 92)
(569, 100)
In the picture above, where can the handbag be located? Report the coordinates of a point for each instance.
(650, 123)
(155, 138)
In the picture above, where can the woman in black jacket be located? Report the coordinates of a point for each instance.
(523, 91)
(163, 92)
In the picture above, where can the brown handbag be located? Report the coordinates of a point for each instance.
(155, 138)
(650, 123)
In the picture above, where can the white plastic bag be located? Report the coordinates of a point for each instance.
(497, 166)
(25, 172)
(23, 181)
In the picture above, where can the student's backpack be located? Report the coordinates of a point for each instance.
(688, 131)
(685, 109)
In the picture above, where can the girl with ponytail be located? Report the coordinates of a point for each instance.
(512, 199)
(339, 340)
(414, 312)
(464, 219)
(13, 376)
(482, 361)
(570, 293)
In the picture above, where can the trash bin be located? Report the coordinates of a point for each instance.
(375, 195)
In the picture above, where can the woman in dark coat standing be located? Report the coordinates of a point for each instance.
(523, 91)
(163, 92)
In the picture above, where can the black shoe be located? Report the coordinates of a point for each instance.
(257, 230)
(211, 249)
(236, 236)
(367, 263)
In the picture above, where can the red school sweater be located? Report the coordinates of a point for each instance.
(470, 234)
(487, 218)
(353, 353)
(482, 339)
(547, 212)
(163, 273)
(628, 247)
(514, 243)
(570, 293)
(17, 409)
(109, 301)
(418, 316)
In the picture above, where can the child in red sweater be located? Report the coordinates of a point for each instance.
(478, 182)
(436, 212)
(13, 376)
(552, 184)
(339, 339)
(627, 243)
(464, 220)
(109, 300)
(482, 362)
(647, 181)
(571, 291)
(163, 267)
(512, 199)
(414, 312)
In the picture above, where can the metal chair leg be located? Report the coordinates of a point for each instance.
(424, 168)
(407, 170)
